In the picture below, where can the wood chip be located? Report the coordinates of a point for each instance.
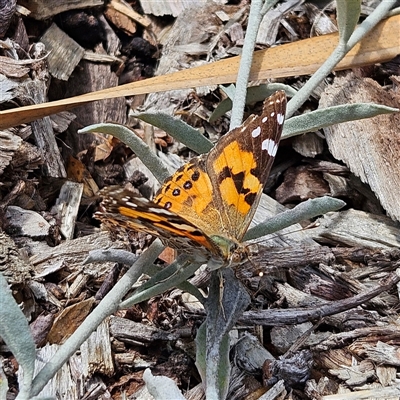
(64, 53)
(26, 222)
(43, 9)
(358, 229)
(13, 266)
(68, 321)
(369, 147)
(67, 207)
(9, 143)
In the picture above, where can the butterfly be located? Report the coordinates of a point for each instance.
(207, 205)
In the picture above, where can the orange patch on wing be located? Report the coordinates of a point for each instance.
(236, 157)
(161, 222)
(205, 193)
(239, 162)
(230, 195)
(202, 240)
(132, 213)
(198, 197)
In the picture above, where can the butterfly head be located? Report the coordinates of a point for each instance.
(232, 253)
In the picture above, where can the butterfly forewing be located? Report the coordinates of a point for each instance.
(240, 163)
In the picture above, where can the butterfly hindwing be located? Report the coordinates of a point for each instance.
(134, 212)
(190, 192)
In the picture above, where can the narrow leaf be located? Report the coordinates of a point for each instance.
(309, 209)
(15, 332)
(149, 159)
(173, 275)
(178, 129)
(348, 14)
(321, 118)
(254, 94)
(161, 387)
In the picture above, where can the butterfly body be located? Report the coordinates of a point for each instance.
(208, 203)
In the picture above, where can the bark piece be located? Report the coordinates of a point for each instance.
(12, 265)
(358, 229)
(168, 7)
(283, 337)
(250, 354)
(294, 368)
(309, 144)
(40, 328)
(64, 53)
(71, 253)
(92, 77)
(380, 352)
(7, 10)
(136, 333)
(27, 157)
(71, 376)
(43, 9)
(13, 68)
(356, 374)
(184, 44)
(68, 320)
(67, 207)
(370, 147)
(9, 144)
(35, 92)
(26, 222)
(62, 120)
(301, 184)
(270, 23)
(7, 87)
(322, 24)
(121, 15)
(96, 351)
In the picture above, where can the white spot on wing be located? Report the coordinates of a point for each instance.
(265, 119)
(270, 146)
(256, 132)
(272, 114)
(160, 211)
(280, 118)
(183, 227)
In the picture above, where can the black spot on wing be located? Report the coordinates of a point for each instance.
(178, 177)
(250, 198)
(238, 179)
(195, 176)
(188, 185)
